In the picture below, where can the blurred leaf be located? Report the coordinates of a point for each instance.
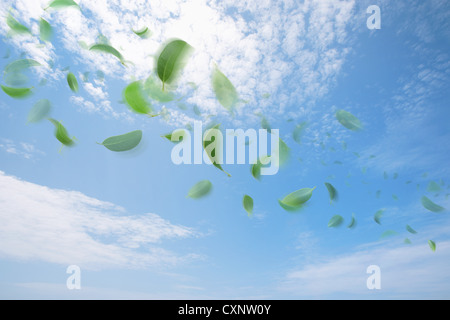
(432, 245)
(17, 93)
(123, 142)
(134, 98)
(154, 91)
(20, 65)
(430, 205)
(335, 221)
(388, 233)
(247, 202)
(72, 81)
(353, 222)
(433, 187)
(331, 191)
(171, 60)
(284, 152)
(61, 133)
(15, 79)
(378, 194)
(212, 145)
(144, 33)
(59, 4)
(298, 131)
(45, 30)
(105, 48)
(40, 111)
(385, 175)
(201, 189)
(407, 241)
(16, 27)
(348, 120)
(394, 197)
(378, 215)
(225, 91)
(410, 230)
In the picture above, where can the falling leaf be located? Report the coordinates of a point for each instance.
(372, 156)
(15, 79)
(172, 60)
(181, 133)
(348, 120)
(72, 81)
(298, 131)
(40, 111)
(364, 170)
(430, 205)
(123, 142)
(378, 215)
(338, 162)
(16, 27)
(388, 233)
(408, 182)
(61, 133)
(344, 145)
(357, 154)
(106, 48)
(432, 245)
(256, 168)
(59, 4)
(378, 194)
(17, 93)
(284, 152)
(144, 33)
(353, 222)
(335, 221)
(433, 187)
(331, 191)
(196, 110)
(410, 230)
(154, 91)
(20, 65)
(385, 175)
(407, 241)
(395, 176)
(212, 145)
(394, 197)
(225, 91)
(297, 199)
(247, 202)
(265, 124)
(45, 30)
(200, 189)
(133, 96)
(85, 76)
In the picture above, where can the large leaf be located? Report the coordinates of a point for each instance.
(200, 189)
(225, 91)
(430, 205)
(348, 120)
(154, 91)
(123, 142)
(17, 93)
(171, 60)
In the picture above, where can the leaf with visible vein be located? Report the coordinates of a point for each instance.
(17, 93)
(296, 199)
(171, 60)
(124, 142)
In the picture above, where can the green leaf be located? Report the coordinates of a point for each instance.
(265, 124)
(61, 133)
(284, 152)
(178, 131)
(201, 189)
(331, 191)
(297, 198)
(212, 145)
(123, 142)
(154, 91)
(144, 33)
(394, 197)
(433, 187)
(395, 176)
(72, 81)
(353, 222)
(388, 233)
(335, 221)
(348, 120)
(17, 93)
(133, 96)
(378, 194)
(106, 48)
(20, 65)
(378, 215)
(247, 202)
(40, 111)
(45, 30)
(15, 79)
(385, 175)
(410, 230)
(59, 4)
(16, 27)
(298, 131)
(225, 91)
(171, 60)
(432, 245)
(430, 205)
(407, 241)
(344, 145)
(196, 111)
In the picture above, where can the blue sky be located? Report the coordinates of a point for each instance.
(124, 219)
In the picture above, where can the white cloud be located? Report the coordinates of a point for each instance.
(22, 149)
(68, 227)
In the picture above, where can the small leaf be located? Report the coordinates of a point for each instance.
(348, 120)
(171, 60)
(200, 189)
(265, 124)
(378, 194)
(433, 187)
(61, 133)
(284, 152)
(344, 145)
(225, 91)
(335, 221)
(16, 27)
(353, 222)
(430, 205)
(410, 230)
(45, 30)
(378, 215)
(394, 197)
(331, 191)
(133, 96)
(388, 233)
(297, 198)
(247, 202)
(407, 241)
(144, 33)
(179, 132)
(298, 131)
(106, 48)
(123, 142)
(154, 91)
(395, 176)
(72, 81)
(40, 111)
(17, 93)
(212, 145)
(59, 4)
(432, 245)
(385, 175)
